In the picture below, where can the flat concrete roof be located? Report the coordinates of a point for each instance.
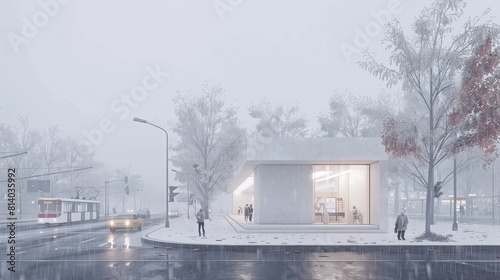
(366, 150)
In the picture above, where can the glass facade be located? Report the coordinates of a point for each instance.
(341, 194)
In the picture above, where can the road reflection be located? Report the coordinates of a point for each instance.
(119, 240)
(122, 262)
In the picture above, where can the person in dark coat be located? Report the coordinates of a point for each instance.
(200, 219)
(250, 212)
(400, 225)
(247, 212)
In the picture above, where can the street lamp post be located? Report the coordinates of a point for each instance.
(455, 224)
(167, 223)
(189, 200)
(493, 194)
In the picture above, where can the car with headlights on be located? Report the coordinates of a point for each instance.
(125, 221)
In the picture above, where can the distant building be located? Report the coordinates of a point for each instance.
(313, 181)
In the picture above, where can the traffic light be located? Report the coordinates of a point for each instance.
(126, 179)
(437, 189)
(171, 195)
(127, 190)
(191, 198)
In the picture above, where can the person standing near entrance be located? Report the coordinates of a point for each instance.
(247, 212)
(400, 226)
(355, 215)
(250, 212)
(200, 218)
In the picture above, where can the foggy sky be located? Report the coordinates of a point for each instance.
(79, 63)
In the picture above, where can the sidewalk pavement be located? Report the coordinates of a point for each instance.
(233, 230)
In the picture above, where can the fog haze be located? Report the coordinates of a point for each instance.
(82, 62)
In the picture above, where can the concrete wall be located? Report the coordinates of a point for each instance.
(379, 195)
(283, 194)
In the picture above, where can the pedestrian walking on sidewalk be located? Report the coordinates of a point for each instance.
(400, 225)
(250, 212)
(247, 212)
(200, 219)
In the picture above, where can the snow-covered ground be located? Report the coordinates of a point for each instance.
(219, 231)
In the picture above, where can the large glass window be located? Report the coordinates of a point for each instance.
(66, 207)
(49, 207)
(341, 194)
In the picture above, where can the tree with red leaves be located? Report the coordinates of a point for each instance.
(478, 108)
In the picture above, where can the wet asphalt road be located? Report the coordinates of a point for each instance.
(92, 252)
(156, 263)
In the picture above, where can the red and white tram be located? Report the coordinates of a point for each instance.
(66, 210)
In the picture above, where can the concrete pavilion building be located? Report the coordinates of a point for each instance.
(307, 181)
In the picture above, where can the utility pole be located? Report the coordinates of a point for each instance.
(123, 202)
(493, 194)
(455, 224)
(106, 198)
(188, 200)
(106, 195)
(135, 207)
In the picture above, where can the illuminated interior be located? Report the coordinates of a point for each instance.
(337, 189)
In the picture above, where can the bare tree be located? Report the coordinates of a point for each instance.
(50, 148)
(75, 156)
(355, 116)
(210, 138)
(22, 138)
(278, 121)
